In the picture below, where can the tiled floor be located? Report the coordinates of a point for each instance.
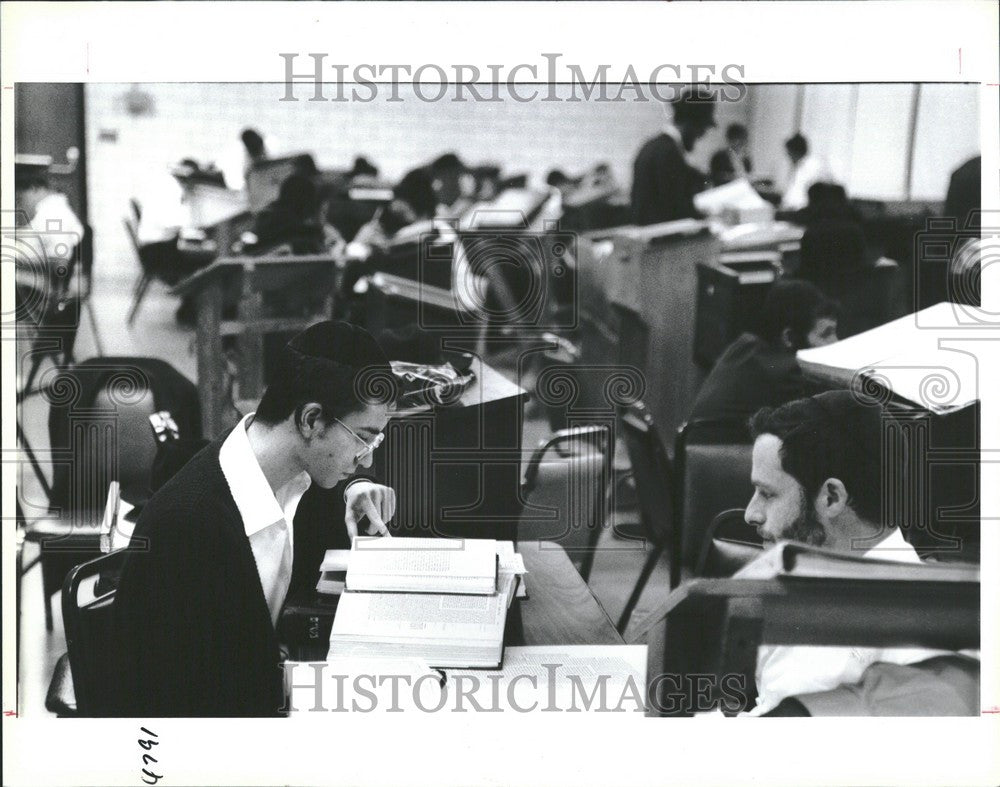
(156, 333)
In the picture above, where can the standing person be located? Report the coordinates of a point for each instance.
(663, 182)
(201, 592)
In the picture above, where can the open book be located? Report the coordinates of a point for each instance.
(787, 559)
(445, 629)
(423, 565)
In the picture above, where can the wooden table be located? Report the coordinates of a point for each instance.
(269, 295)
(560, 608)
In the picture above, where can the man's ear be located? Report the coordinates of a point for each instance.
(310, 419)
(831, 501)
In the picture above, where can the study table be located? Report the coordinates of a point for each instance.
(560, 608)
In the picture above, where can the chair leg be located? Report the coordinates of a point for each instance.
(640, 585)
(36, 363)
(140, 293)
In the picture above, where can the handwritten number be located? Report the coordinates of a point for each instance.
(148, 758)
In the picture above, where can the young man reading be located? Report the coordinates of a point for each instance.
(200, 595)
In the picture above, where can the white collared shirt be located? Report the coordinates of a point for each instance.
(54, 230)
(790, 670)
(267, 515)
(811, 169)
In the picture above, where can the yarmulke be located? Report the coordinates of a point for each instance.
(341, 343)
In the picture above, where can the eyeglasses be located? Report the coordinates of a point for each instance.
(369, 448)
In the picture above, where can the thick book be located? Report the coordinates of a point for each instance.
(788, 559)
(423, 565)
(907, 357)
(445, 630)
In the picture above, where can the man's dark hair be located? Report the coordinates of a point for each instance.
(31, 179)
(334, 364)
(796, 305)
(832, 435)
(253, 142)
(298, 194)
(736, 131)
(695, 105)
(363, 167)
(796, 145)
(448, 162)
(417, 190)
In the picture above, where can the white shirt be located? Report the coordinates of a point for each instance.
(58, 229)
(164, 210)
(789, 670)
(809, 170)
(267, 515)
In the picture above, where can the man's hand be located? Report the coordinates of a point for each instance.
(368, 499)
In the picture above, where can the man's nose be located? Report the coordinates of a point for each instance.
(366, 461)
(754, 515)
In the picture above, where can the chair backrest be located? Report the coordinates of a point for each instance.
(564, 490)
(87, 601)
(652, 471)
(713, 460)
(99, 419)
(730, 543)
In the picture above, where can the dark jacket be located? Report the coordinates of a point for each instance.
(663, 183)
(749, 374)
(194, 633)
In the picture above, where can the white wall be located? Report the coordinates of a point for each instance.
(203, 121)
(864, 132)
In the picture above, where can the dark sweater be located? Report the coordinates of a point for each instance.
(663, 183)
(195, 635)
(750, 374)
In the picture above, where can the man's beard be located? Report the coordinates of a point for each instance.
(806, 529)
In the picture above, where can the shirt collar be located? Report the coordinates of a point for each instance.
(257, 504)
(894, 547)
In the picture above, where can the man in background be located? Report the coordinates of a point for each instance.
(663, 182)
(51, 221)
(805, 170)
(732, 162)
(759, 369)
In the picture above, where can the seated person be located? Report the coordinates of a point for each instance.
(818, 479)
(198, 603)
(454, 185)
(295, 219)
(410, 213)
(759, 369)
(732, 162)
(51, 222)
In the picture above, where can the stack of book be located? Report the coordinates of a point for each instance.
(444, 601)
